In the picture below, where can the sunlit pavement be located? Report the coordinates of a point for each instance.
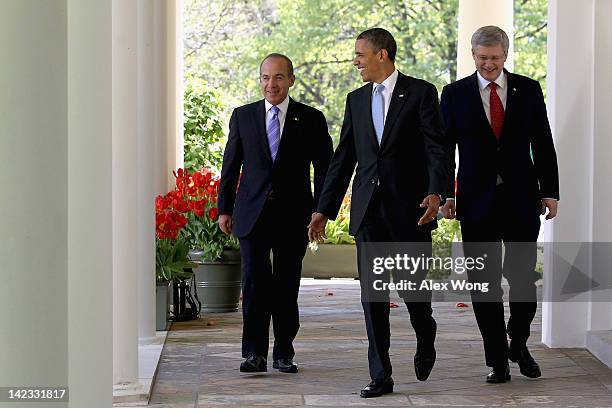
(199, 366)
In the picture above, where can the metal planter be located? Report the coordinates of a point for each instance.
(218, 282)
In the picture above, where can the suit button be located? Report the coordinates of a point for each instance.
(373, 181)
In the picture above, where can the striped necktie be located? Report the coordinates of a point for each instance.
(273, 129)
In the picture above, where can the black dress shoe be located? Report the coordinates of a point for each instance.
(254, 364)
(499, 374)
(285, 365)
(520, 354)
(376, 388)
(423, 363)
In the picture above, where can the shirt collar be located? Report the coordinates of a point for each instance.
(389, 83)
(483, 83)
(283, 106)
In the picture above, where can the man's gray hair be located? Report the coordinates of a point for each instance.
(281, 56)
(490, 35)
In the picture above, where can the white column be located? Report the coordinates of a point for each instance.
(174, 61)
(145, 174)
(474, 14)
(570, 107)
(163, 175)
(90, 252)
(124, 204)
(601, 312)
(33, 202)
(160, 127)
(578, 101)
(168, 98)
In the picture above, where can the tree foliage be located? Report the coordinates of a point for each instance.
(530, 30)
(225, 41)
(202, 128)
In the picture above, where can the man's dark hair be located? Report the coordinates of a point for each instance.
(276, 55)
(380, 39)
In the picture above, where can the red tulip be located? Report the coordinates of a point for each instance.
(213, 213)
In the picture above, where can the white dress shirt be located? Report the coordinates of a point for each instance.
(282, 113)
(389, 84)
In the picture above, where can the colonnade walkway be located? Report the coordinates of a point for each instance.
(199, 364)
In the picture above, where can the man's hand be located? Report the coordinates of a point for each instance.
(225, 223)
(316, 228)
(552, 208)
(449, 209)
(432, 202)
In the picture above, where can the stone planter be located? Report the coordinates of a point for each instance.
(162, 305)
(218, 282)
(331, 261)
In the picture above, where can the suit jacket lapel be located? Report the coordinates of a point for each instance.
(398, 99)
(260, 124)
(510, 95)
(363, 113)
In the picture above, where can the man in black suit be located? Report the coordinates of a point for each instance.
(392, 131)
(274, 141)
(507, 177)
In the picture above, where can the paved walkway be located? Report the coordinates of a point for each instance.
(199, 366)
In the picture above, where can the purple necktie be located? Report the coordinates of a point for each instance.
(273, 129)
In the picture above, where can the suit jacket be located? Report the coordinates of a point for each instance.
(304, 140)
(524, 157)
(409, 164)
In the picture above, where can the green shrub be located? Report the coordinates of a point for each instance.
(337, 231)
(203, 128)
(442, 244)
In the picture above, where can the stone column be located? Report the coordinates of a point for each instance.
(578, 102)
(168, 94)
(90, 230)
(174, 61)
(33, 203)
(146, 172)
(124, 201)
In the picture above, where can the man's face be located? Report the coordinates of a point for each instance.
(275, 80)
(489, 60)
(368, 61)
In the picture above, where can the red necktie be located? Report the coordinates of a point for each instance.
(497, 111)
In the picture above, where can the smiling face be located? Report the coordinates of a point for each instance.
(275, 80)
(489, 60)
(369, 61)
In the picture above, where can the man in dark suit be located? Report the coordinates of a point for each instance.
(507, 177)
(274, 141)
(392, 131)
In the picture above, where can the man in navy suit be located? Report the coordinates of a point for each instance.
(392, 132)
(507, 177)
(273, 142)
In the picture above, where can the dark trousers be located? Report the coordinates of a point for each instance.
(379, 225)
(516, 263)
(270, 284)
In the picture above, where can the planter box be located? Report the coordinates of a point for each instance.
(331, 261)
(162, 306)
(218, 283)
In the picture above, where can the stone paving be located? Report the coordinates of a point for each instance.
(199, 364)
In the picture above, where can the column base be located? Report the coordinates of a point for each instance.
(599, 343)
(137, 394)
